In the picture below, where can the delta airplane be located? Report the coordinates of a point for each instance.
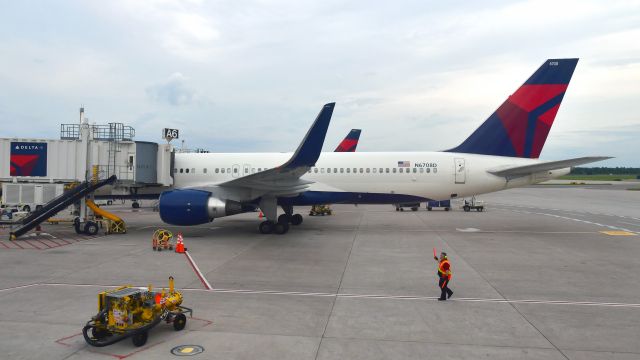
(501, 154)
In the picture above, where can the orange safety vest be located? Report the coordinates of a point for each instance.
(442, 271)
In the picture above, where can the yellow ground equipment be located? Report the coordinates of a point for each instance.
(162, 240)
(132, 312)
(115, 224)
(317, 210)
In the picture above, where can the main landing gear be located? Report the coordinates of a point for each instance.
(282, 225)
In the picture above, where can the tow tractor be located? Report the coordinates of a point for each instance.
(131, 312)
(473, 205)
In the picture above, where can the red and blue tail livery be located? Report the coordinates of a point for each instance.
(520, 126)
(349, 143)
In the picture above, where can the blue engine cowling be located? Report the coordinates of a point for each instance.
(184, 207)
(195, 207)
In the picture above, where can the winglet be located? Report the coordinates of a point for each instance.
(309, 149)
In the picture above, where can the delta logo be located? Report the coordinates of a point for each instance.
(28, 159)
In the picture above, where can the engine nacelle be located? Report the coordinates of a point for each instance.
(194, 207)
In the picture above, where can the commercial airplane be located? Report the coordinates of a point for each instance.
(501, 154)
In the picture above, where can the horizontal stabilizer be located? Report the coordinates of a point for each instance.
(516, 171)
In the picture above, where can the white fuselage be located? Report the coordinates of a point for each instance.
(431, 175)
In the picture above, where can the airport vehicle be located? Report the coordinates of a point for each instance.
(432, 204)
(28, 197)
(412, 206)
(115, 224)
(472, 205)
(162, 240)
(320, 210)
(501, 154)
(131, 312)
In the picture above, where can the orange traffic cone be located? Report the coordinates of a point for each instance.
(180, 244)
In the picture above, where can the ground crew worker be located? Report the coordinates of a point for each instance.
(444, 274)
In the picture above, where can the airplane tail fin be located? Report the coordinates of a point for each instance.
(349, 143)
(519, 127)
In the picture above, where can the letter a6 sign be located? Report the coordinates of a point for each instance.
(170, 134)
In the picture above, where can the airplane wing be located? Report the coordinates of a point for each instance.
(284, 180)
(518, 171)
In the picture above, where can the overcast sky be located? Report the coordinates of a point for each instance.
(244, 76)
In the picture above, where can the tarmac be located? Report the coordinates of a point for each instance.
(545, 272)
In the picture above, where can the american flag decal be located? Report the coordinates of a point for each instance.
(404, 163)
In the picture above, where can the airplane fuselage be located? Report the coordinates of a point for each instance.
(428, 175)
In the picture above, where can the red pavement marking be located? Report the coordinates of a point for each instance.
(29, 242)
(44, 243)
(16, 244)
(55, 242)
(3, 244)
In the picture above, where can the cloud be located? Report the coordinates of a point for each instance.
(173, 91)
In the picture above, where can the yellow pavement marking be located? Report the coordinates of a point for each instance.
(187, 350)
(618, 233)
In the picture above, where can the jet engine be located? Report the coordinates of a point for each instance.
(194, 207)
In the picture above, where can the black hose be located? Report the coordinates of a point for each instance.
(115, 338)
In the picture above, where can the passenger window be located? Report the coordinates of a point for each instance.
(361, 170)
(375, 170)
(401, 170)
(429, 170)
(235, 170)
(421, 170)
(253, 170)
(415, 170)
(186, 170)
(341, 170)
(335, 170)
(315, 170)
(228, 170)
(222, 170)
(328, 170)
(204, 170)
(181, 170)
(368, 170)
(394, 170)
(193, 170)
(435, 170)
(217, 170)
(322, 170)
(348, 170)
(386, 170)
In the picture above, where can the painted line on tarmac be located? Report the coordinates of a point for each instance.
(576, 220)
(361, 296)
(570, 211)
(196, 269)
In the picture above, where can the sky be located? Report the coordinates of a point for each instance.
(251, 76)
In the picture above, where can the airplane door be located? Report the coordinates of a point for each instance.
(246, 168)
(461, 171)
(235, 171)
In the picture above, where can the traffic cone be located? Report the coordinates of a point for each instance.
(261, 215)
(180, 244)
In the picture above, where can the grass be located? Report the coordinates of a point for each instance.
(599, 177)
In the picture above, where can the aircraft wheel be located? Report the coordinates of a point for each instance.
(281, 228)
(296, 219)
(266, 227)
(467, 208)
(284, 218)
(135, 205)
(429, 208)
(447, 209)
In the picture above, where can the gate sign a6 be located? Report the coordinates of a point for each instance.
(170, 134)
